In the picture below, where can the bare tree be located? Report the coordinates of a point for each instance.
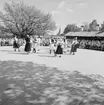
(21, 19)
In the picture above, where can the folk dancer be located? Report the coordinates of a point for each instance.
(65, 45)
(34, 45)
(38, 43)
(59, 49)
(52, 46)
(74, 46)
(28, 44)
(16, 44)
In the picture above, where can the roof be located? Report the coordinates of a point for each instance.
(101, 34)
(85, 34)
(53, 36)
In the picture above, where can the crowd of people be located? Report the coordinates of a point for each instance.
(9, 41)
(92, 44)
(6, 41)
(57, 46)
(31, 43)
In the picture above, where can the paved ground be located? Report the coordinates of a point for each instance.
(41, 79)
(85, 61)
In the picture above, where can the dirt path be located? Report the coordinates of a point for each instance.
(41, 79)
(85, 61)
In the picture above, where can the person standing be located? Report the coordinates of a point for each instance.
(74, 46)
(34, 45)
(65, 45)
(59, 49)
(0, 41)
(52, 46)
(31, 42)
(16, 44)
(38, 43)
(28, 44)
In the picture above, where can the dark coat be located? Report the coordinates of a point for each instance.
(28, 45)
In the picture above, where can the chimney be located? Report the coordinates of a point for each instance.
(82, 28)
(97, 27)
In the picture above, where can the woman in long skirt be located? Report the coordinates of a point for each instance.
(16, 44)
(59, 50)
(28, 44)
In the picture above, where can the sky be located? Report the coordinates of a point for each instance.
(69, 11)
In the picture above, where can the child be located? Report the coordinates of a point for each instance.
(34, 45)
(52, 46)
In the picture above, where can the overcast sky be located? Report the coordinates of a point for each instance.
(69, 11)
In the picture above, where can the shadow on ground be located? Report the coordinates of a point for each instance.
(9, 51)
(26, 83)
(46, 56)
(20, 53)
